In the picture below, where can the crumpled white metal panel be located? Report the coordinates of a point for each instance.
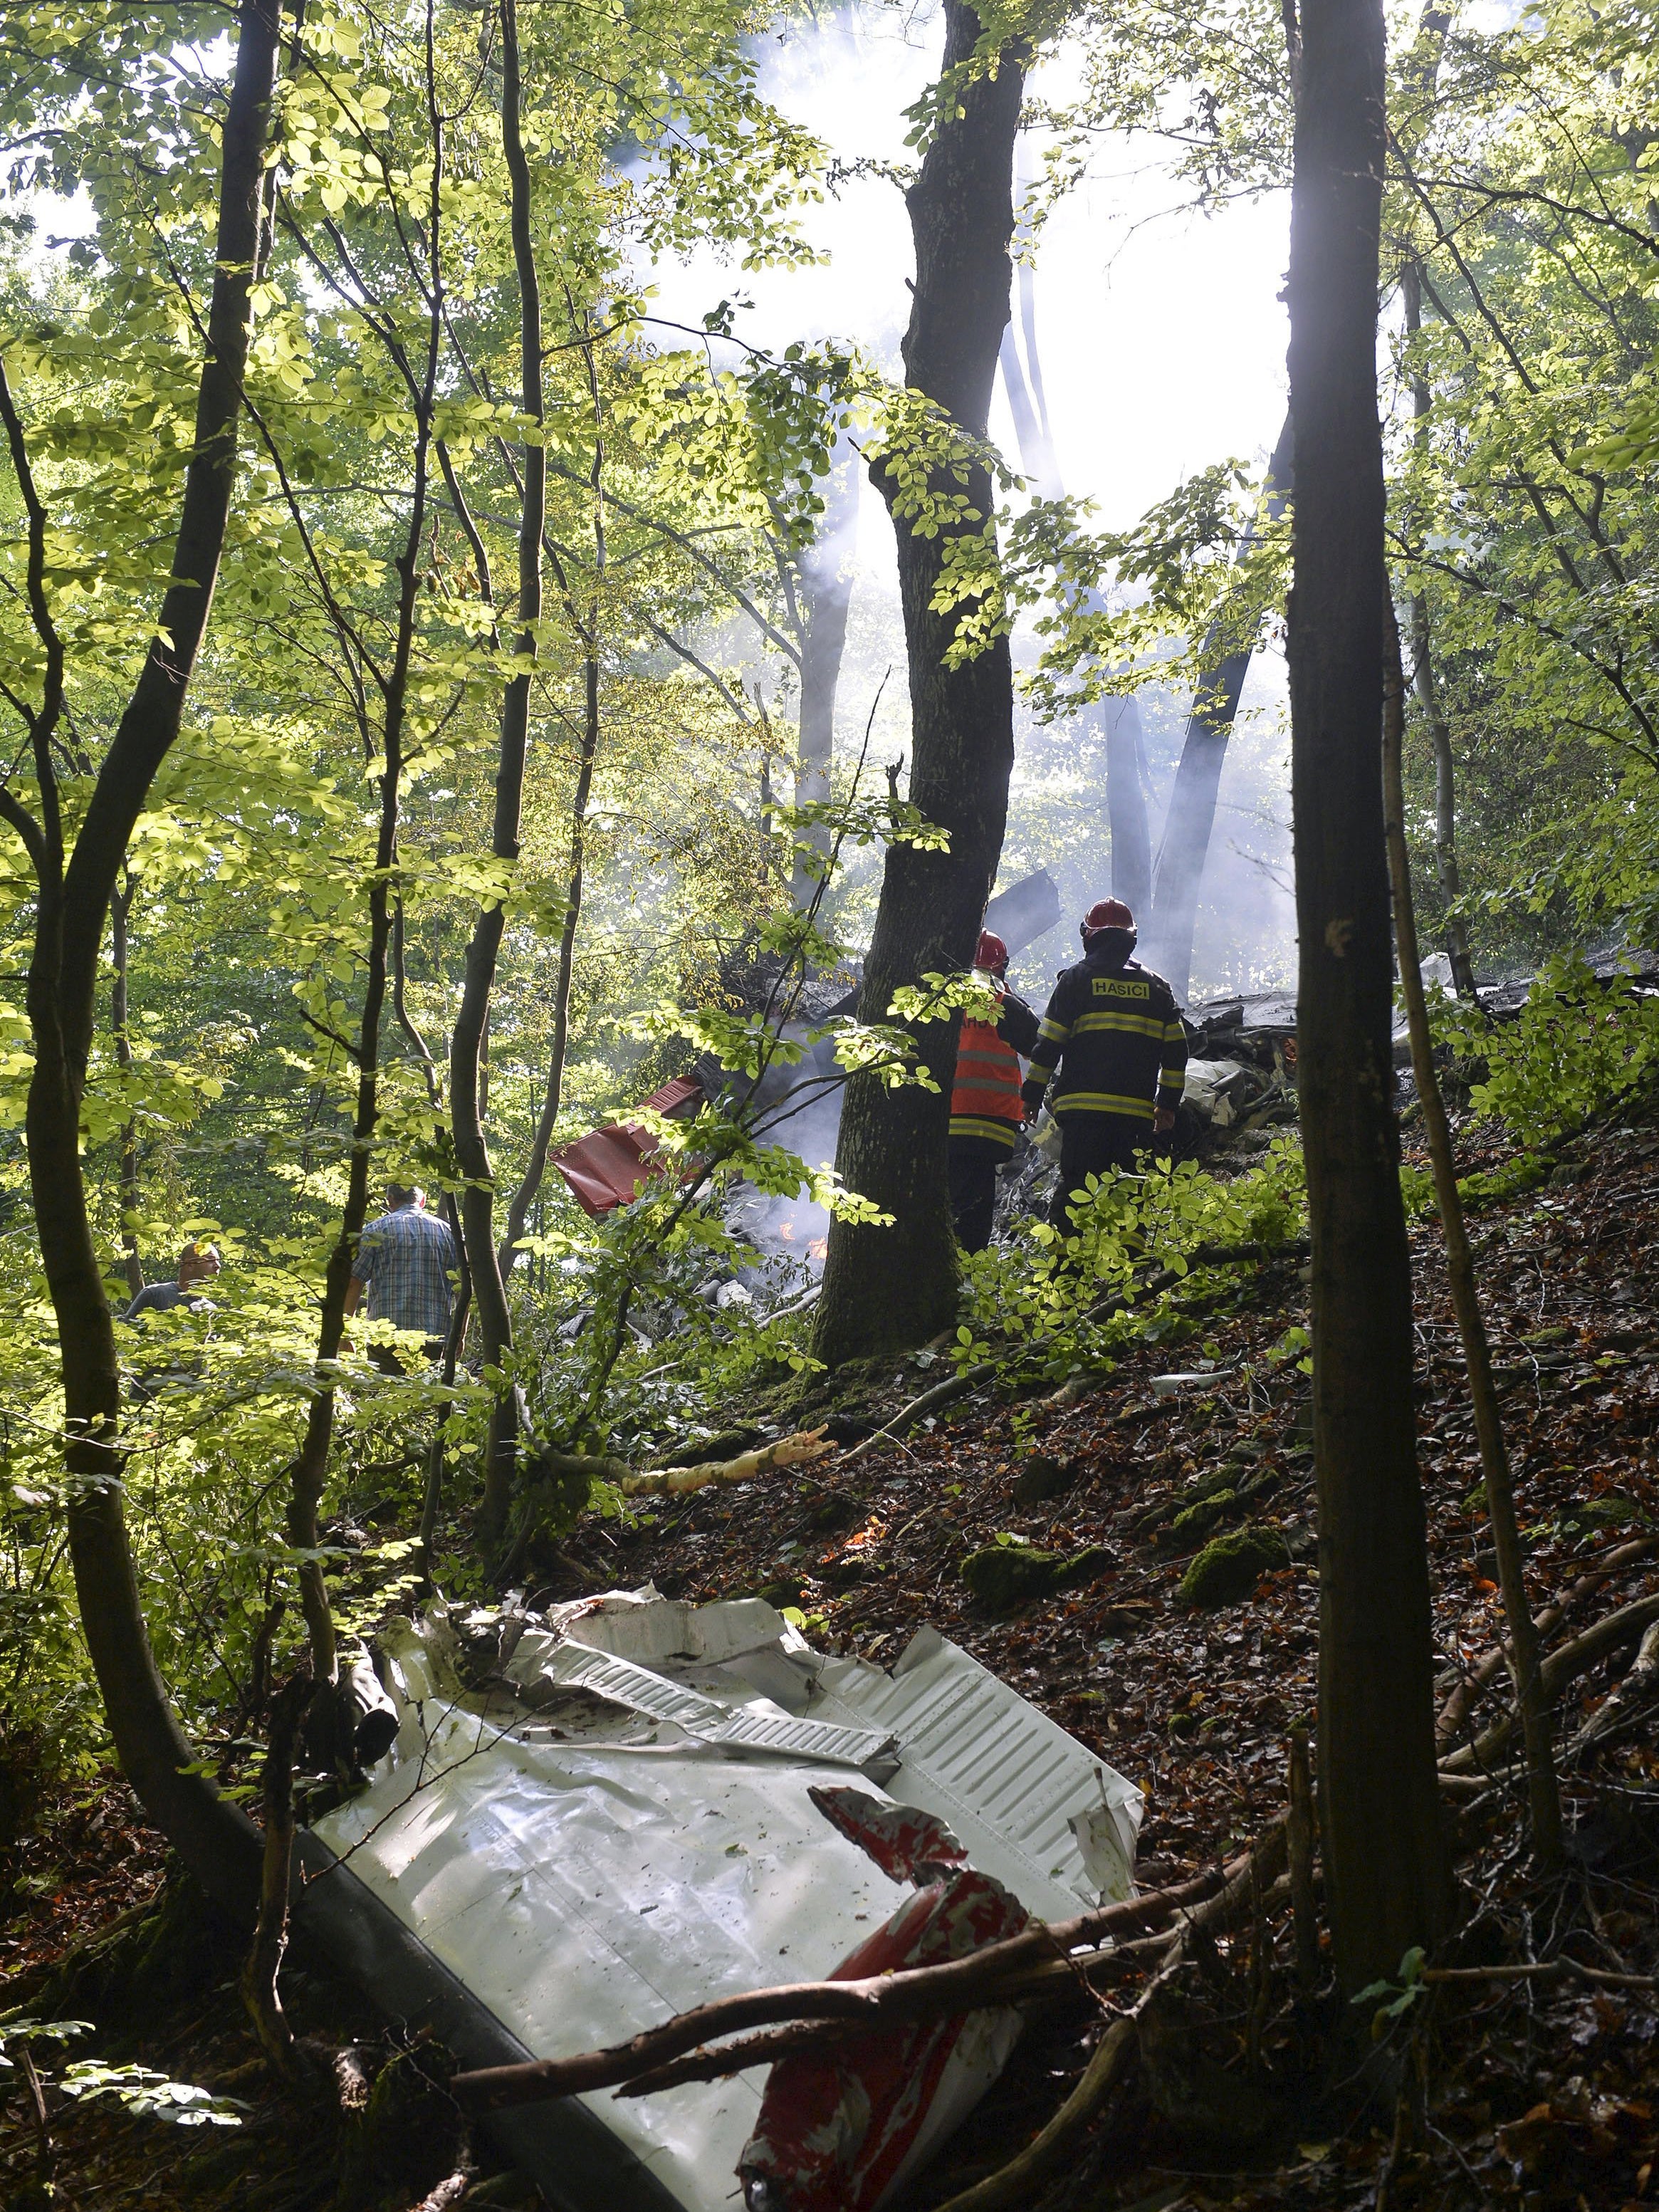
(584, 1895)
(584, 1890)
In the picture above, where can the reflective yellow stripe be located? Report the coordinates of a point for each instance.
(1173, 1078)
(1055, 1032)
(1103, 1102)
(968, 1125)
(1144, 1025)
(1175, 1033)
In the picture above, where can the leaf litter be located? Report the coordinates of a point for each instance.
(1531, 2094)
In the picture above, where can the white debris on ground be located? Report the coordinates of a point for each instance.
(1216, 1088)
(598, 1817)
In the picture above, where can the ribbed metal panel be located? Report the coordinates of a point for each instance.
(1008, 1779)
(750, 1728)
(813, 1740)
(575, 1666)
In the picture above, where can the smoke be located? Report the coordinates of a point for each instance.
(793, 1229)
(1161, 343)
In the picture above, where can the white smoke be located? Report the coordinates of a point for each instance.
(1163, 342)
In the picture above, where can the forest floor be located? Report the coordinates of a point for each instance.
(1531, 2093)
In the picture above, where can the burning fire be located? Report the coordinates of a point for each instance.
(816, 1247)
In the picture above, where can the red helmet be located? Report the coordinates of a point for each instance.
(992, 953)
(1106, 914)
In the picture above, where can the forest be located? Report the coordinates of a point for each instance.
(592, 598)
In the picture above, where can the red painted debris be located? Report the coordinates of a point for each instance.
(612, 1166)
(842, 2134)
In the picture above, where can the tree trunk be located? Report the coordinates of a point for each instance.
(892, 1286)
(1125, 804)
(586, 629)
(1118, 721)
(524, 1197)
(217, 1843)
(1428, 691)
(120, 906)
(826, 596)
(477, 1200)
(261, 1975)
(1190, 821)
(1445, 802)
(383, 966)
(1384, 1852)
(1525, 1650)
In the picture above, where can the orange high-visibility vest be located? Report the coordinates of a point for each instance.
(987, 1076)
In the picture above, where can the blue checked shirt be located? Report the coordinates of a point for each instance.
(405, 1258)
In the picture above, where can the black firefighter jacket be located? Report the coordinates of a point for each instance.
(1117, 1039)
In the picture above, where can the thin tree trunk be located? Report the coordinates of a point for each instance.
(1117, 720)
(120, 906)
(216, 1841)
(524, 1197)
(1190, 821)
(1523, 1642)
(826, 597)
(895, 1285)
(1125, 804)
(1428, 690)
(262, 1968)
(477, 1200)
(1036, 454)
(432, 1493)
(1385, 1859)
(1445, 803)
(1299, 1854)
(309, 1472)
(587, 630)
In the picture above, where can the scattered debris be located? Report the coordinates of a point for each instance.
(610, 1168)
(1535, 2080)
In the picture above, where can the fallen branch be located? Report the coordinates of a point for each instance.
(678, 1481)
(452, 2190)
(1627, 1700)
(958, 1985)
(959, 1386)
(1464, 1785)
(675, 1481)
(1015, 2183)
(1559, 1668)
(1543, 1970)
(1492, 1663)
(1073, 1976)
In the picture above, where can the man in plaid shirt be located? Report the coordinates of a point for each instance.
(404, 1260)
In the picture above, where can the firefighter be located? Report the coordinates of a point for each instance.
(985, 1102)
(1114, 1032)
